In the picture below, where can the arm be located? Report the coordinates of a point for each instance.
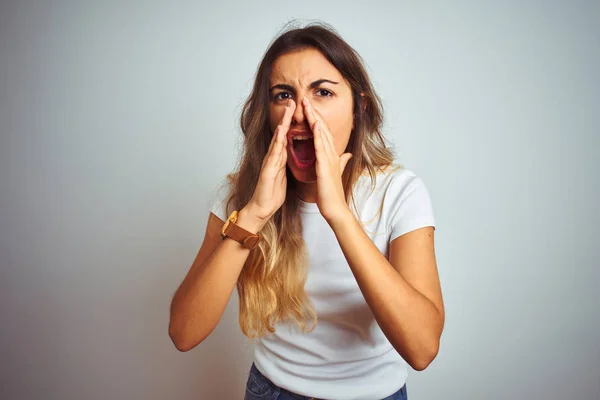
(200, 300)
(404, 294)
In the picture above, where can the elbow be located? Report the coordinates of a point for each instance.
(182, 341)
(179, 341)
(181, 345)
(420, 365)
(184, 332)
(422, 360)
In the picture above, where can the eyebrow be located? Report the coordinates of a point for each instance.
(311, 86)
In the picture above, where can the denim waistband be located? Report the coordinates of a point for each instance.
(259, 387)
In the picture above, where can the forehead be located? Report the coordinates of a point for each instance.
(303, 66)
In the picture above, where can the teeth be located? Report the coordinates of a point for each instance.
(301, 137)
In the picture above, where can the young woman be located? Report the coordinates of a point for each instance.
(329, 242)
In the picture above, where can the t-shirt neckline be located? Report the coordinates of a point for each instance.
(308, 207)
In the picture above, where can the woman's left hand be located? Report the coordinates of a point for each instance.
(329, 167)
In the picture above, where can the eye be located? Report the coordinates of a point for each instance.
(324, 93)
(282, 96)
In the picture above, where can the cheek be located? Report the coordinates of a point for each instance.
(340, 125)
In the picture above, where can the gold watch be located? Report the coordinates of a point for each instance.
(231, 230)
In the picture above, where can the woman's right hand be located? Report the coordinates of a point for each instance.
(270, 191)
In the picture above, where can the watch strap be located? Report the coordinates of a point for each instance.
(247, 239)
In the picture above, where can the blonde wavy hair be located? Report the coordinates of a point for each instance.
(271, 284)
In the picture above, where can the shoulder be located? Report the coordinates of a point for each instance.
(408, 201)
(391, 180)
(404, 181)
(399, 197)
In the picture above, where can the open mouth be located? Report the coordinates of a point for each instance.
(303, 151)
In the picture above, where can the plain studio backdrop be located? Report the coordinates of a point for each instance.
(119, 118)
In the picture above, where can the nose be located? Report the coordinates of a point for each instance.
(298, 117)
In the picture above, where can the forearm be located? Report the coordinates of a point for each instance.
(409, 320)
(200, 301)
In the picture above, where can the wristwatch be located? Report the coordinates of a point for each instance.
(239, 234)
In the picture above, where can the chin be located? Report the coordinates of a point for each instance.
(303, 175)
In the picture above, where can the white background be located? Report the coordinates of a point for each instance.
(118, 118)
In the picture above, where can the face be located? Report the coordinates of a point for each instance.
(307, 73)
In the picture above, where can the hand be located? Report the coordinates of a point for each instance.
(330, 166)
(269, 194)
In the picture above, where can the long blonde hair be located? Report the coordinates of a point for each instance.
(271, 284)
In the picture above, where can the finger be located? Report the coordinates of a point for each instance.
(312, 116)
(315, 126)
(273, 139)
(318, 139)
(278, 149)
(320, 132)
(283, 128)
(285, 143)
(274, 157)
(281, 181)
(279, 155)
(286, 120)
(271, 145)
(282, 158)
(280, 174)
(328, 138)
(284, 125)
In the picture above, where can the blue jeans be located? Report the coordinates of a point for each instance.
(259, 387)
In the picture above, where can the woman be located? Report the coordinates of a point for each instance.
(329, 243)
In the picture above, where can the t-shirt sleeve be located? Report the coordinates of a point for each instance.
(218, 199)
(412, 208)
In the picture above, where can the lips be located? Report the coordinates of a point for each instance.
(303, 153)
(295, 133)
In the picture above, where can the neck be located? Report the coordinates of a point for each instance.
(307, 191)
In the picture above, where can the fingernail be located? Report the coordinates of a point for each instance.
(305, 101)
(288, 103)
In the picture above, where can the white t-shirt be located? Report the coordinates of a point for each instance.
(347, 356)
